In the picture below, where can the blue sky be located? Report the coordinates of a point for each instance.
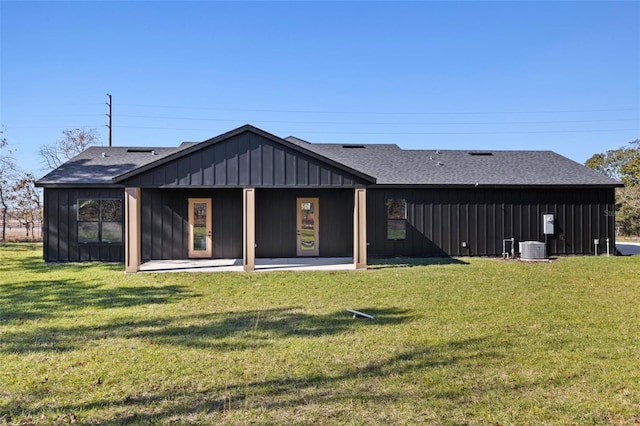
(561, 76)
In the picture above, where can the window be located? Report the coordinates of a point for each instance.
(396, 219)
(100, 221)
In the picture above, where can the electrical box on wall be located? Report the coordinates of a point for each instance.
(547, 224)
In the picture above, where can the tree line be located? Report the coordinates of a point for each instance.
(623, 164)
(20, 200)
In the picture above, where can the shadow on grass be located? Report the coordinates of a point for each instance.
(45, 299)
(406, 262)
(221, 331)
(21, 246)
(28, 257)
(380, 382)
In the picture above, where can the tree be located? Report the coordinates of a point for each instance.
(8, 172)
(623, 164)
(73, 142)
(26, 201)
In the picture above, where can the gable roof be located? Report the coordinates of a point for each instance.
(113, 165)
(379, 164)
(233, 133)
(391, 165)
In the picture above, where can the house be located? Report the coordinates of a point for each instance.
(249, 194)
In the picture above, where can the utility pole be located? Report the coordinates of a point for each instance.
(109, 115)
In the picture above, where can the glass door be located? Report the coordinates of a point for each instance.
(307, 227)
(200, 240)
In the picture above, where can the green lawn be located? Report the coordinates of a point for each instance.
(468, 341)
(628, 240)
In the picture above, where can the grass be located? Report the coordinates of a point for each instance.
(627, 239)
(460, 341)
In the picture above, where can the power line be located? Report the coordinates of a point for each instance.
(75, 126)
(480, 133)
(403, 133)
(63, 115)
(380, 123)
(380, 112)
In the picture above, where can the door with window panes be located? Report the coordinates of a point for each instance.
(200, 239)
(308, 227)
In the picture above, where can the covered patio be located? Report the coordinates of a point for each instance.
(261, 265)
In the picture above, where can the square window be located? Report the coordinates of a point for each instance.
(396, 229)
(88, 232)
(111, 232)
(397, 209)
(88, 210)
(112, 210)
(100, 221)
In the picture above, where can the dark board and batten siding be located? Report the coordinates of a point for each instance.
(246, 160)
(164, 223)
(439, 220)
(276, 221)
(60, 233)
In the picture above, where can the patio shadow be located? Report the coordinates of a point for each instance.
(407, 262)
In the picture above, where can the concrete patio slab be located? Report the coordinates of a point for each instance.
(262, 265)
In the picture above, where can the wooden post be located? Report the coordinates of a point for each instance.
(249, 229)
(360, 228)
(132, 230)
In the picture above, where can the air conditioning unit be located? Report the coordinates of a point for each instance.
(533, 250)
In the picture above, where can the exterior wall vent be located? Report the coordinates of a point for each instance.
(533, 250)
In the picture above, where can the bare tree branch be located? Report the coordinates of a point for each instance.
(72, 143)
(26, 200)
(8, 173)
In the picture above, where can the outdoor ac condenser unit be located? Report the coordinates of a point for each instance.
(533, 250)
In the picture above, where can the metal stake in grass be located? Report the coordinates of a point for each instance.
(359, 314)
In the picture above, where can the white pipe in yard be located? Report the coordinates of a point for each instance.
(359, 314)
(505, 253)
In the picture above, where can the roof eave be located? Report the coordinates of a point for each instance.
(77, 185)
(494, 186)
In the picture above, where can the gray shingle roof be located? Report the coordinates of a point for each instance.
(98, 164)
(388, 163)
(391, 165)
